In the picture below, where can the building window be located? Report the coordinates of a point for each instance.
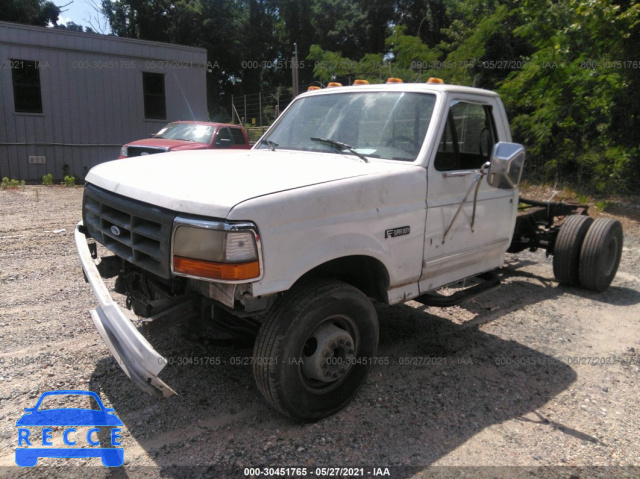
(26, 86)
(154, 100)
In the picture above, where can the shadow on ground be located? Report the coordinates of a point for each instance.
(437, 385)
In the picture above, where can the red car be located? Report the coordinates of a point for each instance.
(189, 135)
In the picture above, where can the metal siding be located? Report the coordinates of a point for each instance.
(14, 170)
(60, 78)
(87, 109)
(6, 96)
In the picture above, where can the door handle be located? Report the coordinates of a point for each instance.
(456, 174)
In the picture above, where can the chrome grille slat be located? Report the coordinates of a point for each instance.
(143, 231)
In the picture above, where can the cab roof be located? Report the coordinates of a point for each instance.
(406, 87)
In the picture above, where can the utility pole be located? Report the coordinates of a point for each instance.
(294, 70)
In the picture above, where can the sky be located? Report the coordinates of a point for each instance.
(82, 12)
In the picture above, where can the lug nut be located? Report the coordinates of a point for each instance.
(341, 342)
(350, 351)
(334, 345)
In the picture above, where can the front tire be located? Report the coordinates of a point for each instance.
(314, 349)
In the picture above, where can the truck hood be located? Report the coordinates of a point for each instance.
(170, 144)
(212, 183)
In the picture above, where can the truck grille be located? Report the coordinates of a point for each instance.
(145, 150)
(138, 232)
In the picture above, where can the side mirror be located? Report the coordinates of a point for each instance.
(507, 161)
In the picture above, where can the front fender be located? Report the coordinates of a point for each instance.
(303, 228)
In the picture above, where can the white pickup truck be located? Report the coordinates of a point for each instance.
(368, 192)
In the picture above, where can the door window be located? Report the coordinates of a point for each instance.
(238, 136)
(223, 138)
(467, 139)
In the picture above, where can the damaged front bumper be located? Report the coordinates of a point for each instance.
(134, 354)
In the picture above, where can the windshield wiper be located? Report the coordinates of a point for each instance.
(187, 139)
(272, 144)
(341, 146)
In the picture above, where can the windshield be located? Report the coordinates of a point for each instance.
(387, 125)
(66, 401)
(186, 131)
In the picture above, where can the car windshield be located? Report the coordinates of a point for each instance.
(186, 131)
(66, 401)
(387, 125)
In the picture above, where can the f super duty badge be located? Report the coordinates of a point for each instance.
(393, 232)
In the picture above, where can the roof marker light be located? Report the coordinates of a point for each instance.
(394, 80)
(435, 80)
(313, 87)
(361, 82)
(333, 83)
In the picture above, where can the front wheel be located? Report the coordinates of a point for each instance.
(315, 348)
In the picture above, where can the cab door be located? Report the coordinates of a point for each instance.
(469, 223)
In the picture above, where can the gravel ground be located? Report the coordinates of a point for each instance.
(532, 379)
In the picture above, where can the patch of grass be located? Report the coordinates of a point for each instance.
(69, 181)
(12, 184)
(547, 192)
(603, 205)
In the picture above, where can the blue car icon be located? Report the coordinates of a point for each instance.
(28, 456)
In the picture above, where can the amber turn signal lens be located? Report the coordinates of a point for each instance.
(210, 270)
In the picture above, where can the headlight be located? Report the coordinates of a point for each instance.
(220, 251)
(123, 151)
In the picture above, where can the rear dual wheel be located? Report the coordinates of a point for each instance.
(587, 252)
(566, 254)
(314, 349)
(600, 254)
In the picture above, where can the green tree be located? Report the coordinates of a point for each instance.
(220, 26)
(425, 19)
(576, 92)
(31, 12)
(73, 27)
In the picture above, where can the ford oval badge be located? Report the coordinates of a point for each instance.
(115, 230)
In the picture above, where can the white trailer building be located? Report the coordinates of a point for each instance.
(70, 100)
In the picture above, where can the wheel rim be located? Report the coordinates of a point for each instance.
(329, 354)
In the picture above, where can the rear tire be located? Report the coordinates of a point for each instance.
(600, 255)
(566, 252)
(314, 349)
